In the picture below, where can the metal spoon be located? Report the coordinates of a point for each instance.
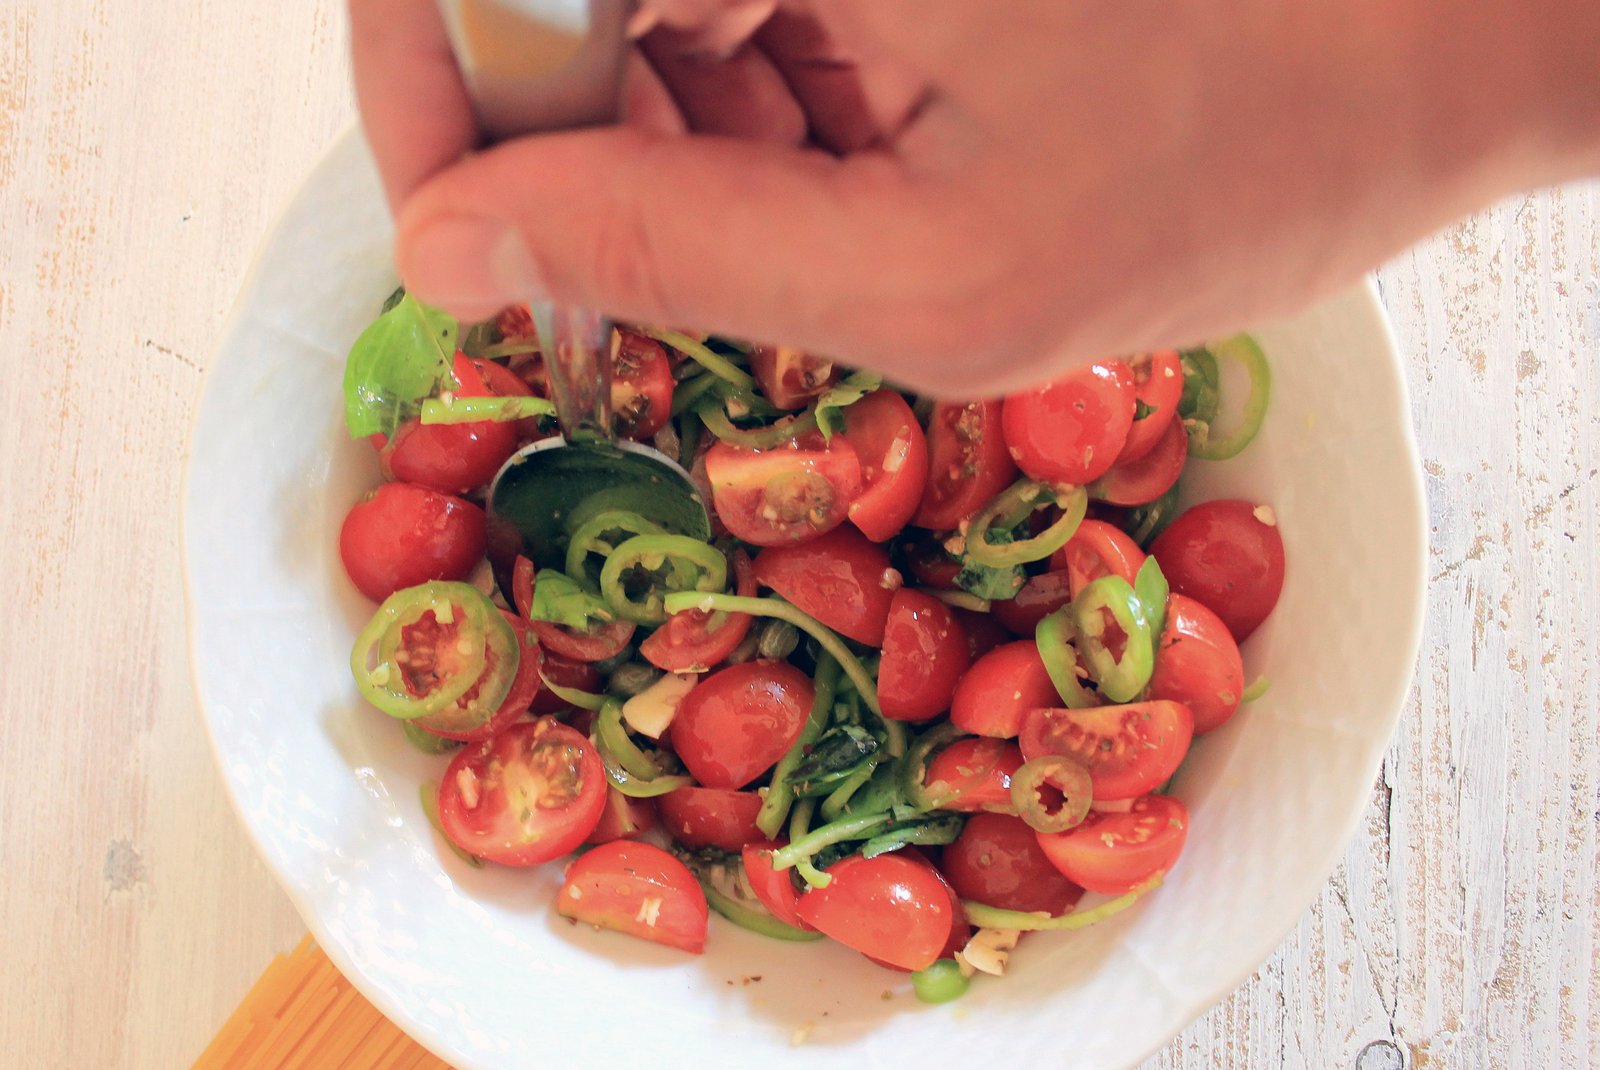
(542, 65)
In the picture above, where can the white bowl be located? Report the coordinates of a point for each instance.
(476, 964)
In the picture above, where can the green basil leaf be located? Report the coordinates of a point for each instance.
(849, 390)
(559, 599)
(403, 358)
(998, 584)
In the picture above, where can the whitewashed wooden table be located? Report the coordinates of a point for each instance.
(145, 147)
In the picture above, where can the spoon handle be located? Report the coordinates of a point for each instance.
(577, 346)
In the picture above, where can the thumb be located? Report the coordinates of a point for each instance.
(757, 240)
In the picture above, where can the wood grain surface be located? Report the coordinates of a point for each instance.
(144, 149)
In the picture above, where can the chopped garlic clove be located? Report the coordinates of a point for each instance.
(652, 710)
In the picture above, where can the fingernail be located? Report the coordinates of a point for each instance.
(471, 263)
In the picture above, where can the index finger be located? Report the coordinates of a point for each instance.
(414, 105)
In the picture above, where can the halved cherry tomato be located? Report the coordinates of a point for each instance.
(683, 643)
(967, 463)
(711, 817)
(997, 860)
(623, 817)
(515, 323)
(924, 654)
(894, 462)
(504, 382)
(641, 386)
(774, 888)
(1113, 853)
(930, 563)
(1198, 664)
(840, 578)
(980, 769)
(1071, 429)
(790, 378)
(639, 889)
(1228, 555)
(889, 908)
(525, 796)
(1149, 477)
(785, 495)
(1158, 385)
(563, 672)
(1097, 549)
(453, 458)
(524, 686)
(984, 633)
(1128, 750)
(740, 720)
(1000, 688)
(600, 642)
(403, 534)
(1041, 596)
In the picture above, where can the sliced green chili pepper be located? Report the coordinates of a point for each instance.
(1202, 385)
(1257, 688)
(841, 831)
(1011, 507)
(940, 982)
(1150, 584)
(458, 410)
(693, 562)
(1064, 774)
(963, 600)
(757, 921)
(1054, 637)
(915, 769)
(612, 740)
(1119, 679)
(786, 430)
(588, 537)
(988, 917)
(1144, 522)
(425, 741)
(799, 825)
(839, 802)
(688, 394)
(780, 610)
(428, 793)
(383, 683)
(635, 788)
(711, 361)
(775, 807)
(930, 833)
(1204, 443)
(583, 700)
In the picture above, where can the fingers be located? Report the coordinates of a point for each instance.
(740, 95)
(414, 107)
(759, 240)
(717, 27)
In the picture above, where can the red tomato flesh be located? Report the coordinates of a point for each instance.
(1227, 555)
(967, 463)
(924, 654)
(638, 889)
(711, 817)
(980, 769)
(737, 722)
(524, 686)
(641, 386)
(785, 495)
(525, 796)
(889, 908)
(453, 458)
(1128, 750)
(1071, 429)
(1113, 853)
(623, 817)
(893, 451)
(1198, 664)
(1041, 596)
(840, 578)
(403, 534)
(1158, 385)
(1149, 477)
(774, 888)
(684, 643)
(1001, 687)
(790, 378)
(997, 860)
(1097, 549)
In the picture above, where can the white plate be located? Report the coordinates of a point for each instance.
(477, 966)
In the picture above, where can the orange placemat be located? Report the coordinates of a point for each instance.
(303, 1013)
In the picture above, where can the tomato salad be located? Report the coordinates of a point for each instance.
(920, 692)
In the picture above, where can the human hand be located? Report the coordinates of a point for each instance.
(970, 196)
